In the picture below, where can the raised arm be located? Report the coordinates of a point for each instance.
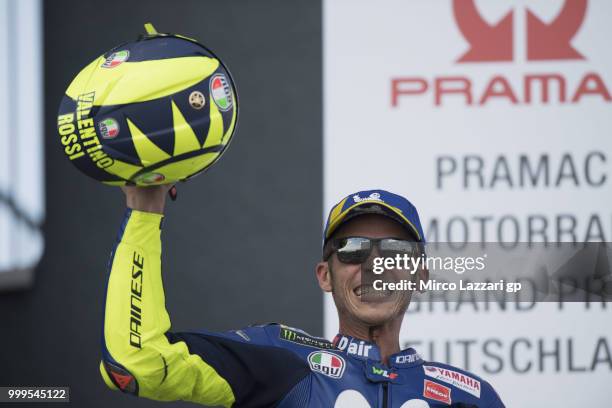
(138, 357)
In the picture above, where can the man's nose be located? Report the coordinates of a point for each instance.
(368, 264)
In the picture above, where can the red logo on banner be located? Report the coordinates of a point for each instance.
(495, 42)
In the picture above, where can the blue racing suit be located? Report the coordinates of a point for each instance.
(268, 365)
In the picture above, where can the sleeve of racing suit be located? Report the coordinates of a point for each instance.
(141, 357)
(496, 401)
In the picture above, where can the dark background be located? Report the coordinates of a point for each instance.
(241, 242)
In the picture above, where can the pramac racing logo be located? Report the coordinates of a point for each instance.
(494, 44)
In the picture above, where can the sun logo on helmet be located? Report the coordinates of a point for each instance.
(196, 100)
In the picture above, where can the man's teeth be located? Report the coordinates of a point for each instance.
(365, 290)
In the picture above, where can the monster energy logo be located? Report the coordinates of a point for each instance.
(288, 335)
(294, 336)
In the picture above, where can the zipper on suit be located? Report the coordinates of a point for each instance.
(385, 395)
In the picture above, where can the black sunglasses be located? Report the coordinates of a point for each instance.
(356, 250)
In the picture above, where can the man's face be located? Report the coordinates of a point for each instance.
(351, 284)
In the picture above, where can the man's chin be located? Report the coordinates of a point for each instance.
(376, 313)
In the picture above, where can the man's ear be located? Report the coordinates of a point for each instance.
(324, 276)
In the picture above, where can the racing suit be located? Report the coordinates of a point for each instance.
(259, 366)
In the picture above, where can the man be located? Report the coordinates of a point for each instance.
(274, 365)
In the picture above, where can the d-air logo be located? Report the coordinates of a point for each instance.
(116, 58)
(459, 380)
(220, 92)
(436, 392)
(353, 347)
(326, 363)
(495, 42)
(109, 128)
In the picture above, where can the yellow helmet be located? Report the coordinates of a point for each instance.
(153, 111)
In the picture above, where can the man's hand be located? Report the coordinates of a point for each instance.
(147, 199)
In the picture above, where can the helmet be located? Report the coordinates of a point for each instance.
(154, 111)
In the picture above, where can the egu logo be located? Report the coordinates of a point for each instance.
(491, 43)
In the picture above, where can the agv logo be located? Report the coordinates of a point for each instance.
(329, 364)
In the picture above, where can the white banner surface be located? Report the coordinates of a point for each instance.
(495, 120)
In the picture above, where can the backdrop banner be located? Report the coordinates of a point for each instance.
(494, 119)
(22, 199)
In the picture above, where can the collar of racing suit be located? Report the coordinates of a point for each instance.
(365, 350)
